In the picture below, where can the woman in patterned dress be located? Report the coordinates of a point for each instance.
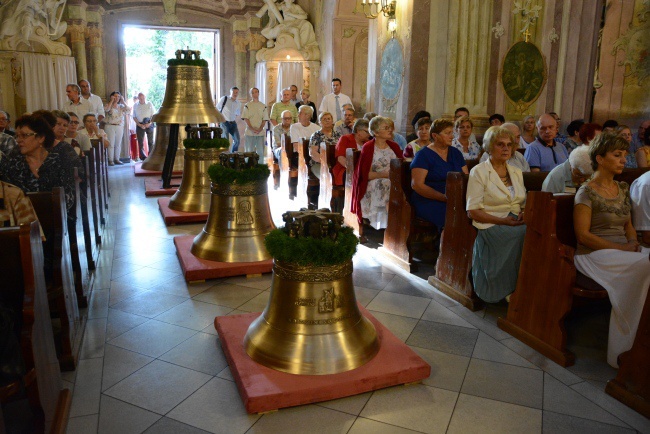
(470, 149)
(371, 185)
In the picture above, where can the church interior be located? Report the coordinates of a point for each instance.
(148, 357)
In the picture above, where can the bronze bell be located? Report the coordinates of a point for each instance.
(194, 194)
(187, 95)
(239, 219)
(156, 157)
(312, 324)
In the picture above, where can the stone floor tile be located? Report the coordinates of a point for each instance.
(193, 314)
(202, 352)
(417, 407)
(83, 424)
(119, 417)
(555, 423)
(94, 337)
(482, 416)
(158, 387)
(443, 337)
(148, 303)
(351, 404)
(399, 304)
(119, 322)
(487, 348)
(438, 313)
(447, 370)
(228, 295)
(307, 418)
(153, 338)
(166, 425)
(85, 399)
(119, 364)
(364, 426)
(400, 326)
(216, 407)
(507, 383)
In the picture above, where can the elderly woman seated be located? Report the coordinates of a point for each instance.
(570, 175)
(370, 184)
(495, 201)
(608, 250)
(517, 159)
(429, 173)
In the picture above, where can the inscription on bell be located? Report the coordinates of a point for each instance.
(230, 214)
(244, 216)
(309, 302)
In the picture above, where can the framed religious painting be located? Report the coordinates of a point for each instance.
(391, 74)
(523, 74)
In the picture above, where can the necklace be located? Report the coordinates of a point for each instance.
(611, 190)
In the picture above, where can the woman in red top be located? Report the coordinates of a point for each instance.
(355, 140)
(371, 185)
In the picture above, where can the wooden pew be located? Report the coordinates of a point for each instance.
(312, 187)
(632, 384)
(331, 196)
(23, 292)
(75, 256)
(84, 206)
(456, 246)
(352, 160)
(548, 283)
(51, 213)
(403, 225)
(98, 173)
(95, 208)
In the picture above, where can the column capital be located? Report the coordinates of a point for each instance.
(94, 35)
(239, 42)
(256, 41)
(77, 32)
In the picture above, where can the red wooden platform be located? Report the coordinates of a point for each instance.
(264, 389)
(153, 187)
(172, 217)
(197, 269)
(139, 171)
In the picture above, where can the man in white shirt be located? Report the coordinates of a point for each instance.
(639, 195)
(303, 129)
(294, 94)
(256, 116)
(95, 102)
(230, 108)
(142, 113)
(333, 102)
(76, 103)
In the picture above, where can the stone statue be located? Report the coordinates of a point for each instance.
(22, 19)
(290, 18)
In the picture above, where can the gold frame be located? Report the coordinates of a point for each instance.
(522, 106)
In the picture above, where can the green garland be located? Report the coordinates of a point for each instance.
(206, 143)
(312, 251)
(187, 62)
(221, 175)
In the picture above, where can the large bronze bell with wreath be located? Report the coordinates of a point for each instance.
(156, 158)
(202, 150)
(312, 324)
(240, 216)
(188, 101)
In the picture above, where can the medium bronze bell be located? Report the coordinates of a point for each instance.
(156, 157)
(312, 324)
(239, 219)
(187, 95)
(194, 193)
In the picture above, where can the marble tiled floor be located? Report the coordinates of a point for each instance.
(151, 360)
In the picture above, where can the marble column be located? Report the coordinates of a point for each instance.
(97, 78)
(240, 42)
(255, 43)
(468, 56)
(77, 34)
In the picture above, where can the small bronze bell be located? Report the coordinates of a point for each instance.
(239, 219)
(157, 152)
(312, 324)
(194, 194)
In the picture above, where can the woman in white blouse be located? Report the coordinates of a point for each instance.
(495, 200)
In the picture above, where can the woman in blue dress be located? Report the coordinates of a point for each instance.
(429, 173)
